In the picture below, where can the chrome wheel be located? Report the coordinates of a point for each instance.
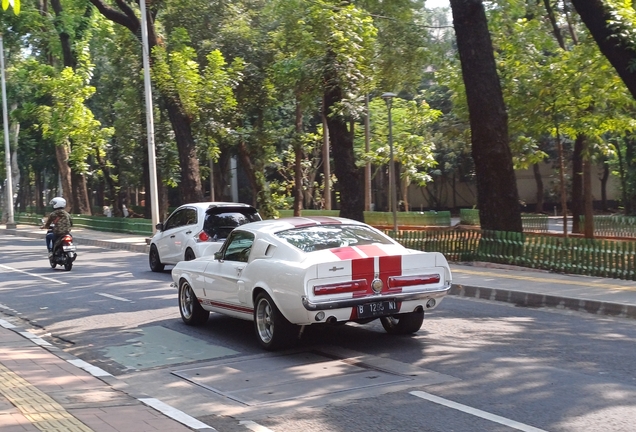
(272, 328)
(264, 321)
(191, 311)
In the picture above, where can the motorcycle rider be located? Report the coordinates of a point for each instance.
(60, 220)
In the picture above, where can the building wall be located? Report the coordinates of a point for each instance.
(465, 193)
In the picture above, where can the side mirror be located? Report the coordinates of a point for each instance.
(218, 256)
(159, 226)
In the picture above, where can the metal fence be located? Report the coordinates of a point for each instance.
(576, 255)
(142, 227)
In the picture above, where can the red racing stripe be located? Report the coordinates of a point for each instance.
(326, 220)
(390, 266)
(347, 253)
(372, 250)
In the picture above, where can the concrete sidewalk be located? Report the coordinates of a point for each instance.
(44, 388)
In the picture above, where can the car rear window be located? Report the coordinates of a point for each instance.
(219, 223)
(309, 239)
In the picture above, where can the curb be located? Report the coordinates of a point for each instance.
(533, 300)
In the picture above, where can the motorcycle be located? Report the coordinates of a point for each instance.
(64, 251)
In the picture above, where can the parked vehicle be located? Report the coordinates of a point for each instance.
(196, 230)
(292, 272)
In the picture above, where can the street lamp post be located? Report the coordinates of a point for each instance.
(388, 97)
(7, 147)
(150, 125)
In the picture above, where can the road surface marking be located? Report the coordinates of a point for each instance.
(33, 274)
(113, 297)
(476, 412)
(175, 414)
(93, 370)
(255, 427)
(547, 280)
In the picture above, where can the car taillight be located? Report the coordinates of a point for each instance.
(342, 287)
(405, 281)
(203, 236)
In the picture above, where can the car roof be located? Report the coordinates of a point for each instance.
(215, 204)
(276, 225)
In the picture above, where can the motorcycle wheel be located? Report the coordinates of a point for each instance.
(68, 266)
(52, 262)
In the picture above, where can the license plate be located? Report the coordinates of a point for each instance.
(377, 309)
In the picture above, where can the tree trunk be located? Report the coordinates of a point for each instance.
(589, 208)
(298, 162)
(564, 201)
(81, 204)
(497, 194)
(540, 193)
(190, 185)
(246, 162)
(326, 160)
(615, 45)
(61, 154)
(604, 179)
(553, 22)
(349, 176)
(576, 205)
(404, 185)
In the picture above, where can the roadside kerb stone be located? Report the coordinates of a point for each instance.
(534, 300)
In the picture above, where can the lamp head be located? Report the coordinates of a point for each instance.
(388, 97)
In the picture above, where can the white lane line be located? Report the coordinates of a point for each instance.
(476, 412)
(175, 414)
(255, 427)
(113, 297)
(32, 274)
(93, 370)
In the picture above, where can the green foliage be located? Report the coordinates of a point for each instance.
(412, 138)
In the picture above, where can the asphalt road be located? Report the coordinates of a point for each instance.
(474, 365)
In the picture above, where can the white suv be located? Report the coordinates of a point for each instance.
(196, 230)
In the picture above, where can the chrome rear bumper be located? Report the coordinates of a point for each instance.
(352, 302)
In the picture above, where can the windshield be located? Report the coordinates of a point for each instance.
(309, 239)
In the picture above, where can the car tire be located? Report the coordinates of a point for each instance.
(154, 260)
(272, 328)
(189, 255)
(191, 311)
(403, 323)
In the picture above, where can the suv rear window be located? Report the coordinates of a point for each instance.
(219, 222)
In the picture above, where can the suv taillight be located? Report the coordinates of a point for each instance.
(203, 237)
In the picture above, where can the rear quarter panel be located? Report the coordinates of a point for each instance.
(193, 272)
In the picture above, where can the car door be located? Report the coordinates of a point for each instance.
(179, 236)
(173, 235)
(223, 282)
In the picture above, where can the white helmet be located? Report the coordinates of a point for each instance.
(58, 203)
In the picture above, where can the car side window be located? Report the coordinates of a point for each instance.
(239, 246)
(190, 217)
(175, 220)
